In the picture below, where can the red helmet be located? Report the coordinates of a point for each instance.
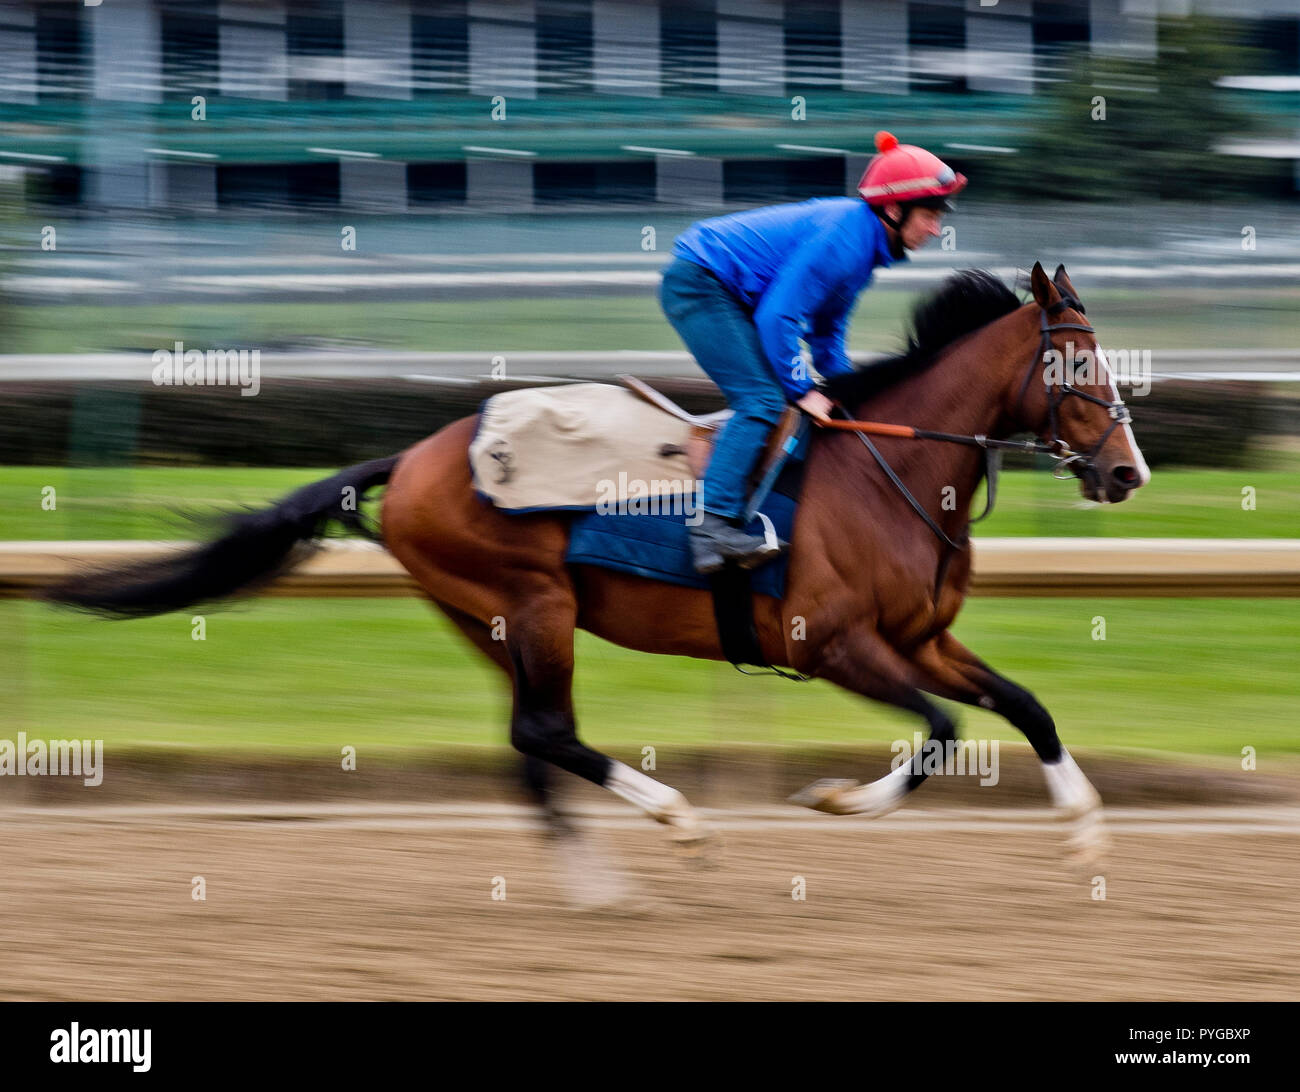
(904, 173)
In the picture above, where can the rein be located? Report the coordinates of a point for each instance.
(992, 462)
(993, 449)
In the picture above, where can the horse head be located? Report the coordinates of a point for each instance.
(1069, 397)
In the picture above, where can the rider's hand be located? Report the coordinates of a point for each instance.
(817, 406)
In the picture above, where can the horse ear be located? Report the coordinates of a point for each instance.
(1063, 283)
(1045, 293)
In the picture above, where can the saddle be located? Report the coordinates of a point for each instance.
(705, 429)
(587, 445)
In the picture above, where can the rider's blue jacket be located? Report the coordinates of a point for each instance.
(800, 267)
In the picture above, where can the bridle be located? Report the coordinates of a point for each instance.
(1057, 393)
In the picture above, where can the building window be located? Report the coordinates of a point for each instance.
(688, 44)
(936, 37)
(314, 44)
(440, 48)
(770, 181)
(564, 46)
(191, 55)
(1278, 41)
(1058, 27)
(606, 183)
(61, 68)
(812, 45)
(435, 184)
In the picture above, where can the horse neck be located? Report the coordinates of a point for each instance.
(969, 391)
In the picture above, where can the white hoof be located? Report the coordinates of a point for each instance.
(663, 804)
(1088, 842)
(689, 834)
(838, 797)
(824, 795)
(1079, 805)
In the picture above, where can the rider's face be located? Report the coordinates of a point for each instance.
(920, 227)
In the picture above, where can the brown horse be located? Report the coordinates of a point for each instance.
(863, 607)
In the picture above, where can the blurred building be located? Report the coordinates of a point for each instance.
(394, 105)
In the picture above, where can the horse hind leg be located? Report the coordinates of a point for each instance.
(535, 772)
(953, 671)
(542, 726)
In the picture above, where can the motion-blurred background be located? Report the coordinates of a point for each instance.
(404, 205)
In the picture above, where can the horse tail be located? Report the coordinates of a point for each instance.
(254, 549)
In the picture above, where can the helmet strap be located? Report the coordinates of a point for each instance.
(896, 247)
(897, 225)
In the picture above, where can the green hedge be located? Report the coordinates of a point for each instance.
(333, 422)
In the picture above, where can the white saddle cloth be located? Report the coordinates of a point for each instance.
(581, 446)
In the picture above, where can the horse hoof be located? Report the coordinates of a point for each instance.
(592, 880)
(824, 795)
(698, 845)
(690, 835)
(1089, 842)
(1085, 807)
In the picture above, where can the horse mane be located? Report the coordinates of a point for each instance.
(966, 301)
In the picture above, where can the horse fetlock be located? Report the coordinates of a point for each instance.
(661, 802)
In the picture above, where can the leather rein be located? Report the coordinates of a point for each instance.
(1079, 462)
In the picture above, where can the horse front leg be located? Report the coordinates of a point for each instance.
(951, 670)
(861, 661)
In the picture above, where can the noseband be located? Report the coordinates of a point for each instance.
(1057, 392)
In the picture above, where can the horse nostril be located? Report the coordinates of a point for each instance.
(1127, 476)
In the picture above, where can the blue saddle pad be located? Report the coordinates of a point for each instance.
(658, 546)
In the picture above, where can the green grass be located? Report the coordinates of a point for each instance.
(1201, 677)
(1189, 318)
(1196, 677)
(148, 502)
(132, 502)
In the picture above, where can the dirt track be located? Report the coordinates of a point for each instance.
(385, 907)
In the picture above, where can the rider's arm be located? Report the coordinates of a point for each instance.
(826, 335)
(801, 289)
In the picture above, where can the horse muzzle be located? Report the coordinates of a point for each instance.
(1104, 485)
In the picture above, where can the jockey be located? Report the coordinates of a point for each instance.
(743, 291)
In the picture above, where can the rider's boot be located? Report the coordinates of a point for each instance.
(715, 541)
